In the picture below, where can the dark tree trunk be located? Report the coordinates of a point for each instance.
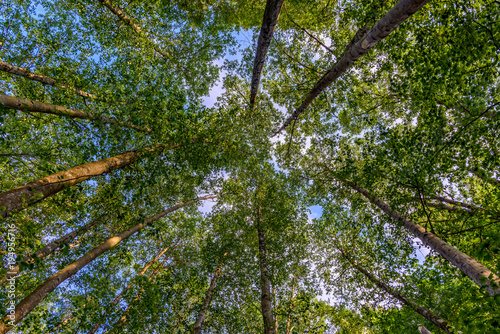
(271, 15)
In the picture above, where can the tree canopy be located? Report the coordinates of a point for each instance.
(250, 166)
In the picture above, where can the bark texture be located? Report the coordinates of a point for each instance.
(19, 198)
(124, 18)
(39, 294)
(271, 15)
(208, 298)
(394, 17)
(441, 323)
(49, 249)
(40, 78)
(478, 273)
(265, 285)
(423, 330)
(31, 106)
(120, 296)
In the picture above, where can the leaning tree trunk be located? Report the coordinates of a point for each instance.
(39, 294)
(478, 273)
(397, 15)
(120, 296)
(19, 198)
(118, 326)
(271, 15)
(40, 78)
(49, 249)
(30, 106)
(137, 29)
(265, 285)
(417, 308)
(208, 298)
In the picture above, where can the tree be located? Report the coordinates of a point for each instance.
(349, 166)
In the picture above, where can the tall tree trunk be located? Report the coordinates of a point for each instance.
(39, 294)
(265, 285)
(40, 78)
(31, 106)
(397, 15)
(50, 248)
(120, 296)
(208, 298)
(478, 273)
(271, 15)
(290, 309)
(19, 198)
(417, 308)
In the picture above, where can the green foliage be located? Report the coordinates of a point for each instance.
(413, 121)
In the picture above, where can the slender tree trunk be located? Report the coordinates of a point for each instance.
(457, 203)
(40, 78)
(50, 248)
(31, 106)
(290, 309)
(484, 177)
(120, 296)
(208, 298)
(19, 198)
(275, 308)
(271, 15)
(39, 294)
(447, 207)
(122, 16)
(265, 285)
(397, 15)
(417, 308)
(137, 29)
(123, 319)
(478, 273)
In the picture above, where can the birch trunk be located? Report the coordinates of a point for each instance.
(49, 249)
(271, 15)
(30, 106)
(478, 273)
(39, 294)
(397, 15)
(19, 198)
(40, 78)
(417, 308)
(265, 286)
(208, 298)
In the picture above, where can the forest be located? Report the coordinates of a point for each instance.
(246, 166)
